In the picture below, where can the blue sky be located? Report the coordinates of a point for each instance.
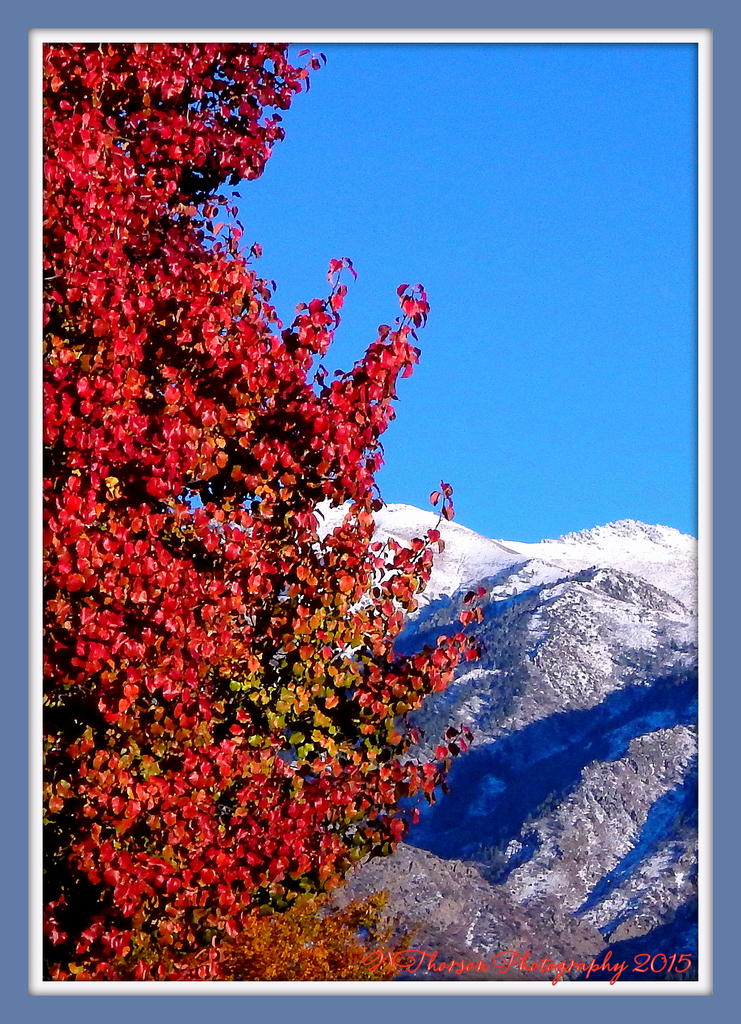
(545, 195)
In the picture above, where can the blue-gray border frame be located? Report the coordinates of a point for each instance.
(724, 19)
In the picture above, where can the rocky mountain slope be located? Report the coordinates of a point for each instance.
(570, 826)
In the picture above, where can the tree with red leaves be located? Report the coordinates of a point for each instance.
(225, 716)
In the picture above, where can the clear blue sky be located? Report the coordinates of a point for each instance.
(545, 195)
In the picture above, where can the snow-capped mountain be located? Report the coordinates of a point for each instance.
(660, 555)
(467, 556)
(576, 807)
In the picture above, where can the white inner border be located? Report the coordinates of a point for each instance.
(703, 39)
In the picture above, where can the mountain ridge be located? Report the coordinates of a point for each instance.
(661, 555)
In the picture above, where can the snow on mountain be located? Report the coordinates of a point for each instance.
(467, 556)
(660, 555)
